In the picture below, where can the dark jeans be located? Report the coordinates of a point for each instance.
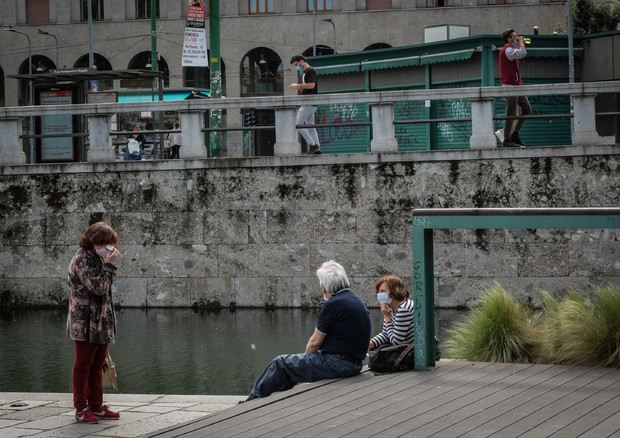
(287, 370)
(87, 370)
(511, 110)
(174, 151)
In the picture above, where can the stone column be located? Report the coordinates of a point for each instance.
(101, 150)
(482, 135)
(192, 135)
(11, 149)
(286, 133)
(234, 139)
(383, 138)
(584, 120)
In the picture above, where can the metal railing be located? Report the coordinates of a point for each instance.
(381, 106)
(426, 220)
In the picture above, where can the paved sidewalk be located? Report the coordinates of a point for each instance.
(52, 414)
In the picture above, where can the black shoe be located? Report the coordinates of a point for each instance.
(516, 139)
(314, 149)
(510, 144)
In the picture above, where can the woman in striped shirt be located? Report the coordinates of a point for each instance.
(397, 310)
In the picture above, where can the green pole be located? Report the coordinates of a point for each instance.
(215, 64)
(154, 35)
(487, 67)
(154, 67)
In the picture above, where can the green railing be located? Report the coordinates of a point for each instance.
(427, 220)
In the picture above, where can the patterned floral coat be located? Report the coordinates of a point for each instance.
(91, 311)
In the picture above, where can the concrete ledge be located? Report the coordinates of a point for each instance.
(321, 160)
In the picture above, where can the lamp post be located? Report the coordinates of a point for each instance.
(42, 32)
(329, 20)
(30, 91)
(313, 27)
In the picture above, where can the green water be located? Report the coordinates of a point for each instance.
(162, 351)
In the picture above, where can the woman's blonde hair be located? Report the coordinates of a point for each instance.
(395, 286)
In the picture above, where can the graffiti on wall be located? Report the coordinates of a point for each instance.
(410, 136)
(454, 132)
(341, 113)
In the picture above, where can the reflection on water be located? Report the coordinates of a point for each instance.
(162, 351)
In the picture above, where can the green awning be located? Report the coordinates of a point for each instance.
(552, 52)
(390, 63)
(434, 58)
(336, 69)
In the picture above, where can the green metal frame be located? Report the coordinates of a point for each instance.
(427, 220)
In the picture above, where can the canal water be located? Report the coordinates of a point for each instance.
(163, 351)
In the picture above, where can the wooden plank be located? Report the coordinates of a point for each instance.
(333, 403)
(368, 414)
(491, 407)
(526, 402)
(610, 428)
(457, 399)
(572, 421)
(491, 392)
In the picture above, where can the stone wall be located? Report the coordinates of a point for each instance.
(251, 232)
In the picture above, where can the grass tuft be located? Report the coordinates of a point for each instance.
(499, 329)
(578, 331)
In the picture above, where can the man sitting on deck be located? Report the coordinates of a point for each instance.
(337, 347)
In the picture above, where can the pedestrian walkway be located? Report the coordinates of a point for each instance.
(52, 414)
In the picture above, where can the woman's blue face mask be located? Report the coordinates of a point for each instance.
(384, 298)
(515, 43)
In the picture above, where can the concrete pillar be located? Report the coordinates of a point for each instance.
(11, 149)
(101, 150)
(193, 138)
(584, 120)
(482, 132)
(234, 139)
(383, 137)
(286, 133)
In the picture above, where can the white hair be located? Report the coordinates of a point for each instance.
(332, 276)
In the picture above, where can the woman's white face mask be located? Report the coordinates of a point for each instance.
(384, 298)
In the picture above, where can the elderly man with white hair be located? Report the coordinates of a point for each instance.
(337, 347)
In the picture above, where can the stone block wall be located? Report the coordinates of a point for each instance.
(252, 232)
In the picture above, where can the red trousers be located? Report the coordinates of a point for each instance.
(87, 370)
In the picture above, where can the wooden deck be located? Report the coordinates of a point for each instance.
(456, 399)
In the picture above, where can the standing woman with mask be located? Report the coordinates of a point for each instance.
(91, 321)
(397, 309)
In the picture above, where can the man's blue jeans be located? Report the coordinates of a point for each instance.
(287, 370)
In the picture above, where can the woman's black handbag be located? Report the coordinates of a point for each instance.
(388, 358)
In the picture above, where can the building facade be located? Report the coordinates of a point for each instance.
(257, 38)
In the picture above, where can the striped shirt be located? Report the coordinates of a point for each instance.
(400, 330)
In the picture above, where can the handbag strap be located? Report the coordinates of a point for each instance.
(403, 354)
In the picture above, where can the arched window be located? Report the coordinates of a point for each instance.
(376, 46)
(320, 51)
(101, 64)
(142, 61)
(40, 64)
(262, 73)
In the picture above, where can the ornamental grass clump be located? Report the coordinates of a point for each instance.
(581, 331)
(499, 329)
